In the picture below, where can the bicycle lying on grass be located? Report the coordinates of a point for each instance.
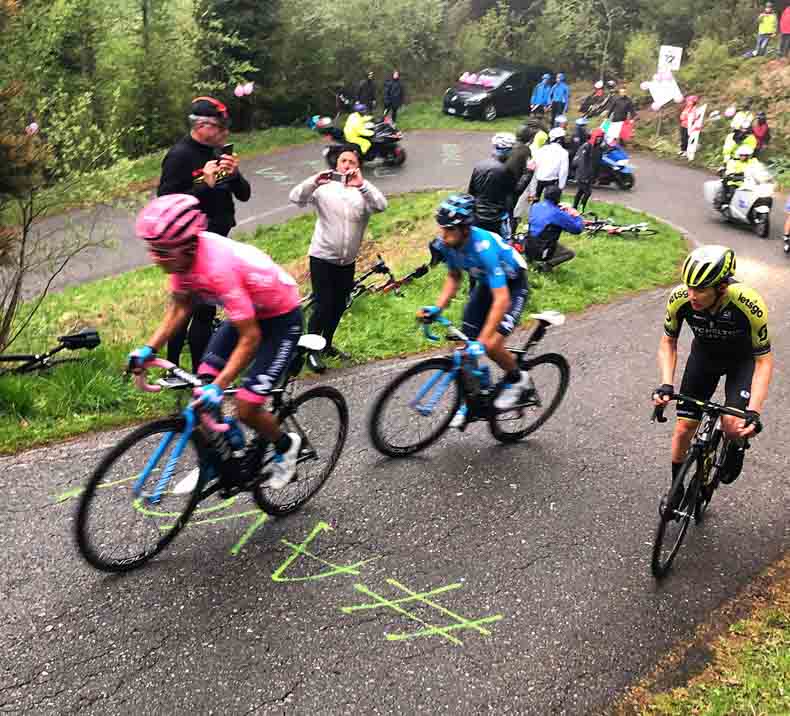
(416, 408)
(369, 282)
(702, 470)
(33, 362)
(594, 225)
(139, 479)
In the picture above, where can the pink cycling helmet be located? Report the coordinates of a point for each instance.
(171, 222)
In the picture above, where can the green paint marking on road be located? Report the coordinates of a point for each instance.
(301, 550)
(249, 532)
(421, 598)
(77, 491)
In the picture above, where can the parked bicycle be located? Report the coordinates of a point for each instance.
(134, 504)
(701, 473)
(416, 408)
(86, 339)
(594, 225)
(370, 282)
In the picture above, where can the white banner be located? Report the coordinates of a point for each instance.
(669, 58)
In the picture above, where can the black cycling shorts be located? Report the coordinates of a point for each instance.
(479, 304)
(702, 375)
(279, 338)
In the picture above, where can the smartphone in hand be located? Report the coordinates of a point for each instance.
(228, 149)
(337, 176)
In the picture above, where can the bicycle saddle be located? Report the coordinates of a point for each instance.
(86, 338)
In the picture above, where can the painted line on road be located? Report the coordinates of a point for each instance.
(250, 219)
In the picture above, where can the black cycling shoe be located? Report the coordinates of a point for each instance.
(333, 352)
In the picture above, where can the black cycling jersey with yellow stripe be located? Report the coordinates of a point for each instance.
(739, 328)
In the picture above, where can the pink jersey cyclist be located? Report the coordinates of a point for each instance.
(239, 277)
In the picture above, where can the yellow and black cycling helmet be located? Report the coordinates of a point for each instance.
(708, 266)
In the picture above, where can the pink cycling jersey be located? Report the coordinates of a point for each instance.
(239, 277)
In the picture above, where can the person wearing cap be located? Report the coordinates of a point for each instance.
(551, 164)
(196, 165)
(591, 101)
(767, 25)
(493, 187)
(587, 163)
(366, 94)
(541, 95)
(560, 97)
(344, 202)
(547, 221)
(686, 117)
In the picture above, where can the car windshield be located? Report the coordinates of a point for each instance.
(487, 78)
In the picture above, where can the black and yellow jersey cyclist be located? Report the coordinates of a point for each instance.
(730, 325)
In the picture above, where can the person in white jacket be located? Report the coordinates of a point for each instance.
(344, 201)
(551, 164)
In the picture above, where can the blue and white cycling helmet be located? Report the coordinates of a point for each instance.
(582, 121)
(503, 143)
(360, 107)
(456, 210)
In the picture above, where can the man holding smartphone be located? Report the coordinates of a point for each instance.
(344, 202)
(203, 164)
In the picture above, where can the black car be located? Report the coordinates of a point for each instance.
(491, 92)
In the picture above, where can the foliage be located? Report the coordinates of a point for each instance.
(641, 54)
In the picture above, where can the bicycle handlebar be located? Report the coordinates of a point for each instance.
(141, 382)
(452, 331)
(706, 405)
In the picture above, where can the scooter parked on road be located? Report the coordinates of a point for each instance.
(385, 142)
(616, 168)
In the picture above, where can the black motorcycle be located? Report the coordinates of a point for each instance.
(384, 144)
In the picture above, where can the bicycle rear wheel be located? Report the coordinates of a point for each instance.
(638, 233)
(673, 524)
(118, 528)
(320, 417)
(401, 421)
(550, 374)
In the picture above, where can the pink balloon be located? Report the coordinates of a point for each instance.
(31, 128)
(239, 91)
(655, 106)
(645, 86)
(249, 87)
(729, 112)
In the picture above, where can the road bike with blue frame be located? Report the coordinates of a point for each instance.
(416, 408)
(135, 503)
(697, 480)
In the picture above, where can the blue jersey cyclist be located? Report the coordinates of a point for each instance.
(497, 300)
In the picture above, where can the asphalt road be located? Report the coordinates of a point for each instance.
(548, 540)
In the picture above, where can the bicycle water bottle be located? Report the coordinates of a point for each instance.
(483, 375)
(470, 376)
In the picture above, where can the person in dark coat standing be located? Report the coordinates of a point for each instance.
(367, 92)
(393, 96)
(588, 162)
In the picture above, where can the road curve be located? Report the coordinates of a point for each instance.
(548, 541)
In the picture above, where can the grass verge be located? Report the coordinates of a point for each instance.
(92, 394)
(748, 671)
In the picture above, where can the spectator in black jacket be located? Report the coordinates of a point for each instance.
(393, 96)
(621, 109)
(197, 165)
(588, 162)
(367, 92)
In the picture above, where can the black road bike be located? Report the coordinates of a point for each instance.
(86, 339)
(701, 474)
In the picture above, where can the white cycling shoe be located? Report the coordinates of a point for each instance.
(187, 484)
(511, 392)
(282, 468)
(459, 419)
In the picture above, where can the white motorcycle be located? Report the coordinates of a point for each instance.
(750, 204)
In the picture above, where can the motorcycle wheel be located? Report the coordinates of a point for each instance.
(763, 228)
(400, 157)
(625, 181)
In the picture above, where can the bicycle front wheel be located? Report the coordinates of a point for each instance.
(120, 525)
(320, 417)
(415, 409)
(550, 375)
(673, 523)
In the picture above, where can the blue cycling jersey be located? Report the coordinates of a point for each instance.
(485, 256)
